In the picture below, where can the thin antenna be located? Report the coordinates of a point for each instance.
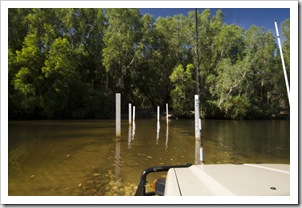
(198, 128)
(283, 64)
(196, 53)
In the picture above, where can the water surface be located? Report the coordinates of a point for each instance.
(83, 157)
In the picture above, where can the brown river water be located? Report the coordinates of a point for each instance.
(84, 158)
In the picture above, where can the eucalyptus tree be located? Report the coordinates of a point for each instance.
(84, 29)
(208, 28)
(69, 62)
(261, 79)
(173, 48)
(228, 77)
(147, 79)
(122, 41)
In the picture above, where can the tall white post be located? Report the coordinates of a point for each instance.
(158, 113)
(197, 127)
(198, 131)
(167, 111)
(130, 113)
(133, 113)
(198, 141)
(118, 114)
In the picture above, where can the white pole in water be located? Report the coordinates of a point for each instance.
(198, 126)
(118, 114)
(157, 113)
(198, 140)
(167, 111)
(133, 113)
(283, 64)
(130, 108)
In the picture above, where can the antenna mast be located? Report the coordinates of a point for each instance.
(198, 140)
(196, 53)
(283, 64)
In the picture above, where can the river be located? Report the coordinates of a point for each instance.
(83, 157)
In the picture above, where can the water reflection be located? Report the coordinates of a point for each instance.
(157, 132)
(129, 137)
(167, 136)
(131, 134)
(197, 151)
(133, 130)
(117, 158)
(39, 149)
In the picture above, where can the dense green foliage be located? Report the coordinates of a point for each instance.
(69, 63)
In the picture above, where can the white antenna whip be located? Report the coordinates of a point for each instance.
(282, 59)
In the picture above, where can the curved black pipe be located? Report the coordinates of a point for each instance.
(141, 189)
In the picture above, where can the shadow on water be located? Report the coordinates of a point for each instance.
(70, 158)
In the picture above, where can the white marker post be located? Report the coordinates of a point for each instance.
(158, 113)
(130, 113)
(118, 114)
(198, 141)
(198, 129)
(133, 114)
(167, 111)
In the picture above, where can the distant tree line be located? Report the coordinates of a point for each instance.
(69, 63)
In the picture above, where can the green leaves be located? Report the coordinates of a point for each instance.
(228, 88)
(60, 60)
(122, 43)
(183, 93)
(68, 63)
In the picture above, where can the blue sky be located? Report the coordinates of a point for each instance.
(243, 17)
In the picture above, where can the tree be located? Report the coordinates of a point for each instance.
(64, 96)
(228, 88)
(260, 48)
(285, 27)
(17, 27)
(147, 79)
(208, 30)
(183, 93)
(171, 48)
(122, 43)
(228, 71)
(68, 63)
(28, 77)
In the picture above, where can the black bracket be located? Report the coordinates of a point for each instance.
(141, 189)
